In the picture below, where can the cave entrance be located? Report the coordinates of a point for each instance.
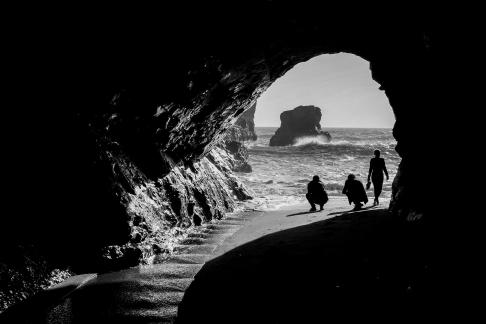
(355, 112)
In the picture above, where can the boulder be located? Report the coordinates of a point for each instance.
(302, 121)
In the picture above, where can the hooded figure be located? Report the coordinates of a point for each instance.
(355, 191)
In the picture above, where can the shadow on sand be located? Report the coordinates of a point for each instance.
(304, 213)
(352, 211)
(359, 266)
(330, 214)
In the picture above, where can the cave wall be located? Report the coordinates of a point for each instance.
(143, 217)
(242, 131)
(114, 122)
(158, 212)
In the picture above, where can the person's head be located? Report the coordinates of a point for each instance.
(351, 177)
(377, 153)
(315, 178)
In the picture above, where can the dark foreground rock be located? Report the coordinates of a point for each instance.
(156, 215)
(354, 267)
(303, 121)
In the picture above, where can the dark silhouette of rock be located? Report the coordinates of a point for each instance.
(196, 220)
(234, 141)
(302, 121)
(323, 263)
(244, 127)
(108, 122)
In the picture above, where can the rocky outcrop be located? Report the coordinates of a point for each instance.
(302, 121)
(236, 136)
(244, 128)
(154, 216)
(157, 212)
(24, 270)
(112, 132)
(237, 156)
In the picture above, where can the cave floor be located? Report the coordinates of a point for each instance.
(281, 266)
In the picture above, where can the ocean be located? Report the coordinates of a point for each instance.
(280, 174)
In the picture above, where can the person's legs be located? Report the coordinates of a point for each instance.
(357, 205)
(322, 201)
(311, 202)
(377, 188)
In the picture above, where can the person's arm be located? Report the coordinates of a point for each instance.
(369, 172)
(385, 170)
(345, 188)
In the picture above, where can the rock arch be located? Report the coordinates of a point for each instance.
(114, 112)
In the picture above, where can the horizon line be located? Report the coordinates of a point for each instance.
(335, 127)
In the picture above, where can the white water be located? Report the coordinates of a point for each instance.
(280, 174)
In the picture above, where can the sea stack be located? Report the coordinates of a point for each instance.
(301, 121)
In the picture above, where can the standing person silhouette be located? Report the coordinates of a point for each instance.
(377, 168)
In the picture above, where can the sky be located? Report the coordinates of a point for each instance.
(339, 84)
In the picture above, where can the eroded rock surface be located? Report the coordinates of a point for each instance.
(244, 128)
(157, 212)
(300, 122)
(236, 136)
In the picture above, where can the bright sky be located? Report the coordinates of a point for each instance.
(339, 84)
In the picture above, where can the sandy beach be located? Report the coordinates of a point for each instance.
(292, 266)
(268, 222)
(282, 266)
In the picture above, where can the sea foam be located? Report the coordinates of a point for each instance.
(280, 174)
(306, 140)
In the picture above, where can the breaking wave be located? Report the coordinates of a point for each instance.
(317, 140)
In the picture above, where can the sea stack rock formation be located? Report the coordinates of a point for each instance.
(299, 122)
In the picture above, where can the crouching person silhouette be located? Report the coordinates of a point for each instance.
(355, 191)
(316, 194)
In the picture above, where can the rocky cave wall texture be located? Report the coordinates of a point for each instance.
(117, 131)
(234, 140)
